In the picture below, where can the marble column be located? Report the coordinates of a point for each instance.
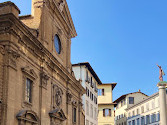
(162, 98)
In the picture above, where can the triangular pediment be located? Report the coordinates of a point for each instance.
(65, 12)
(29, 72)
(58, 114)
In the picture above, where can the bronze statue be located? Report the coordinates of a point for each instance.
(161, 73)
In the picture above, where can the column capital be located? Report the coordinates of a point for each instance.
(162, 84)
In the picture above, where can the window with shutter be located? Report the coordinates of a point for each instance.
(109, 112)
(103, 112)
(102, 91)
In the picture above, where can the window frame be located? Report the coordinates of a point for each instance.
(28, 74)
(74, 119)
(59, 44)
(131, 100)
(109, 112)
(28, 93)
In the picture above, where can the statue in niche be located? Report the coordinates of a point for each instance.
(61, 5)
(161, 73)
(58, 98)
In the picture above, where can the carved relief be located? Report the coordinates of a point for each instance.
(39, 4)
(13, 55)
(69, 97)
(44, 79)
(57, 96)
(74, 103)
(61, 5)
(2, 50)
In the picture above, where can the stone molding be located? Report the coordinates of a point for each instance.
(30, 72)
(69, 97)
(57, 96)
(44, 80)
(12, 60)
(27, 115)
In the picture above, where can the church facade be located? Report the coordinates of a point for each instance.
(37, 85)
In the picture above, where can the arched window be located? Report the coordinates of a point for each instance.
(57, 44)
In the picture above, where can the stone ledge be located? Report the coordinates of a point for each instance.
(9, 7)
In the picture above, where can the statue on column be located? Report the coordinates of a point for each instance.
(161, 73)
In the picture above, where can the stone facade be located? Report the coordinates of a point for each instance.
(30, 64)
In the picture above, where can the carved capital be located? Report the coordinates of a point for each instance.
(12, 58)
(69, 97)
(44, 79)
(74, 103)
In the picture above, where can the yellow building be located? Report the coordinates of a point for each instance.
(105, 104)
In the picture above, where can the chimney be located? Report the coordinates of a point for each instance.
(139, 90)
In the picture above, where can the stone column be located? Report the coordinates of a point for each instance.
(162, 98)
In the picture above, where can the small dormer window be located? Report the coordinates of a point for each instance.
(57, 44)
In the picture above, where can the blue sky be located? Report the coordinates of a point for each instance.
(123, 40)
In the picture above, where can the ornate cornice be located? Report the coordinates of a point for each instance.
(13, 55)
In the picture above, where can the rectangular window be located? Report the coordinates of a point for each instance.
(142, 120)
(147, 119)
(121, 103)
(86, 75)
(153, 104)
(95, 113)
(74, 115)
(91, 111)
(28, 91)
(91, 81)
(87, 107)
(129, 114)
(133, 113)
(90, 95)
(147, 106)
(131, 100)
(100, 92)
(106, 112)
(88, 92)
(158, 115)
(142, 109)
(137, 112)
(138, 121)
(153, 118)
(133, 122)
